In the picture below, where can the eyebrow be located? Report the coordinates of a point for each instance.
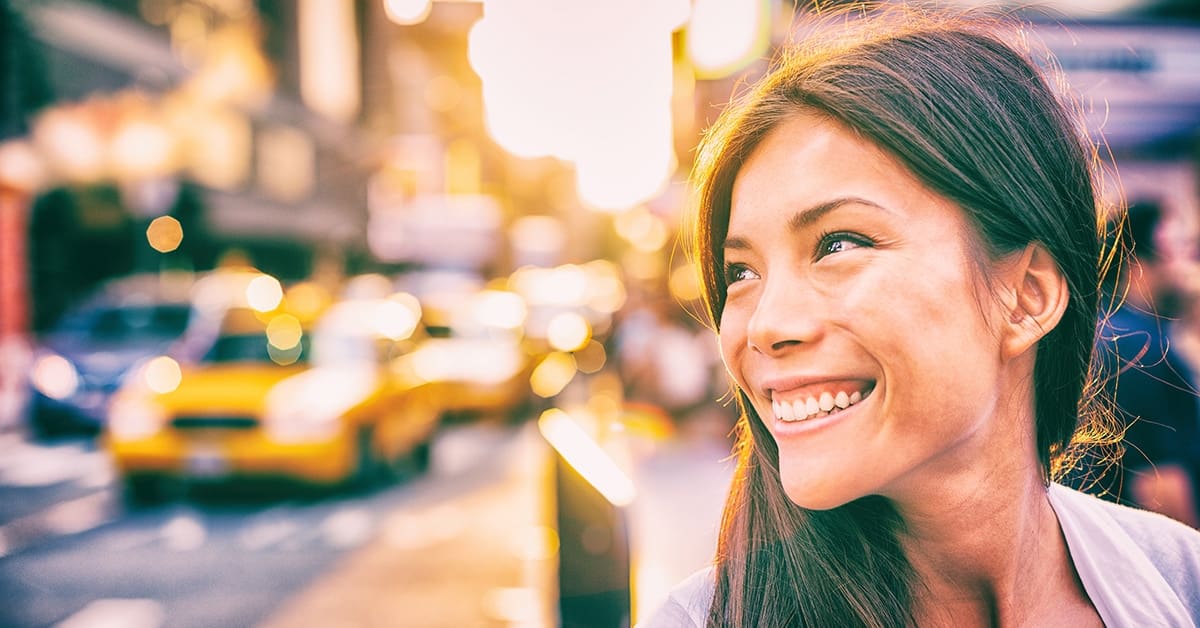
(807, 216)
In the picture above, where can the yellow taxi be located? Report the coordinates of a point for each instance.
(477, 353)
(274, 398)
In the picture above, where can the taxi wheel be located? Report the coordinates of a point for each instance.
(415, 462)
(409, 465)
(369, 470)
(421, 457)
(144, 490)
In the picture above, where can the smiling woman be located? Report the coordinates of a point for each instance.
(898, 235)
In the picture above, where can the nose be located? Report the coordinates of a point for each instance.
(788, 314)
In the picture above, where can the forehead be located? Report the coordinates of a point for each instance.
(810, 160)
(809, 155)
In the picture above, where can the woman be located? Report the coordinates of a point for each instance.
(898, 235)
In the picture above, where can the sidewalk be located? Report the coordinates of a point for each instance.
(481, 556)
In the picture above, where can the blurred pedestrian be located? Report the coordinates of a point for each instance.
(897, 232)
(1151, 385)
(664, 360)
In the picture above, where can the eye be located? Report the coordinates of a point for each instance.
(841, 241)
(738, 272)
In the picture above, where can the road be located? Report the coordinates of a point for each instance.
(473, 542)
(74, 557)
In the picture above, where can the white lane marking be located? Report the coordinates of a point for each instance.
(184, 533)
(263, 534)
(118, 613)
(78, 515)
(348, 528)
(69, 517)
(27, 464)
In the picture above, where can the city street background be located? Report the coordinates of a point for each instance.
(379, 312)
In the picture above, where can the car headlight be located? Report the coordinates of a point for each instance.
(308, 406)
(55, 376)
(160, 375)
(133, 418)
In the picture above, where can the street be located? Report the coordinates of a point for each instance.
(220, 560)
(470, 543)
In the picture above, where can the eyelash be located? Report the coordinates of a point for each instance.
(731, 271)
(830, 237)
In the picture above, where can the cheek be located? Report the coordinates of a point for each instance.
(923, 320)
(911, 296)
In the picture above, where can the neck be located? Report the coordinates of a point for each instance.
(980, 532)
(987, 559)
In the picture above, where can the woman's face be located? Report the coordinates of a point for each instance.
(854, 319)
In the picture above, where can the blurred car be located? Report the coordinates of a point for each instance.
(477, 352)
(82, 360)
(276, 400)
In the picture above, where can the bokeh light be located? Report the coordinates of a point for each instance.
(406, 12)
(540, 80)
(284, 332)
(553, 374)
(143, 147)
(395, 320)
(164, 234)
(264, 293)
(306, 300)
(55, 376)
(499, 308)
(284, 357)
(162, 374)
(724, 35)
(568, 331)
(591, 357)
(73, 146)
(684, 283)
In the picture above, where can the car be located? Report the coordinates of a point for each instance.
(478, 354)
(81, 361)
(477, 351)
(275, 399)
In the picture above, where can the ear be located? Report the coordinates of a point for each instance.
(1035, 298)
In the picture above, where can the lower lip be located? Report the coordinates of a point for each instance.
(795, 428)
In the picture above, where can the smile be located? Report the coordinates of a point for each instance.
(818, 405)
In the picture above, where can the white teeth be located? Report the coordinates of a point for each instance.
(823, 405)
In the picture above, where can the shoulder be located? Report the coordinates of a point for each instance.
(1142, 546)
(1150, 531)
(687, 604)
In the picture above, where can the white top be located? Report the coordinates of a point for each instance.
(1139, 568)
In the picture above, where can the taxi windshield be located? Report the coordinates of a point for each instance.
(255, 348)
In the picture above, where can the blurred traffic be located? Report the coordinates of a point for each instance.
(376, 313)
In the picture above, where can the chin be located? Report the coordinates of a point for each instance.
(818, 494)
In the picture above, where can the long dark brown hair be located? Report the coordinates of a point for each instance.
(975, 120)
